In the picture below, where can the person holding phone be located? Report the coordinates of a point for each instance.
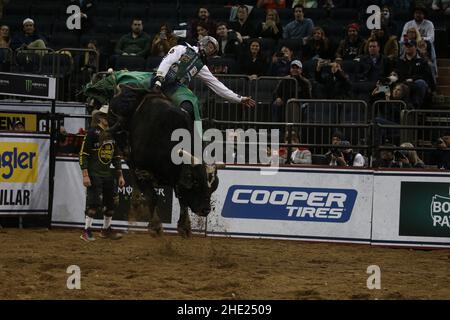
(163, 41)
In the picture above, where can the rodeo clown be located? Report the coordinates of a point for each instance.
(176, 70)
(97, 153)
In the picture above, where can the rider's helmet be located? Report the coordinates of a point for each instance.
(208, 45)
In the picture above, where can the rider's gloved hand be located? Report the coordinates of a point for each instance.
(157, 84)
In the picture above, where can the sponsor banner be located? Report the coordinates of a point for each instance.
(7, 121)
(24, 174)
(26, 85)
(72, 125)
(131, 209)
(424, 209)
(413, 209)
(291, 204)
(301, 202)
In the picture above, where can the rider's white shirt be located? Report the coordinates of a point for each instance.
(204, 74)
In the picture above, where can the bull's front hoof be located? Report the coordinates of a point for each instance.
(156, 232)
(184, 233)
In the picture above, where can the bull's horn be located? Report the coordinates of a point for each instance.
(220, 165)
(188, 158)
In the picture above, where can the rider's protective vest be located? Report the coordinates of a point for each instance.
(186, 68)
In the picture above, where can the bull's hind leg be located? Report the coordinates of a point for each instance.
(145, 182)
(155, 227)
(184, 223)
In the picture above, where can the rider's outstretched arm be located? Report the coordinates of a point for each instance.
(221, 90)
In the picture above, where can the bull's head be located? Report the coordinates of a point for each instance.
(196, 183)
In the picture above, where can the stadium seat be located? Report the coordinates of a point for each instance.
(268, 45)
(131, 63)
(257, 15)
(17, 8)
(344, 14)
(350, 67)
(66, 39)
(104, 25)
(335, 30)
(136, 11)
(188, 12)
(220, 13)
(152, 63)
(314, 14)
(5, 60)
(122, 27)
(166, 10)
(44, 11)
(107, 10)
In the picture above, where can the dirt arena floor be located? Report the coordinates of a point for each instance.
(33, 265)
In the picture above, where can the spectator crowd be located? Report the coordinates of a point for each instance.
(395, 61)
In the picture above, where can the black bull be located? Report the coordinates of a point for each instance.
(148, 122)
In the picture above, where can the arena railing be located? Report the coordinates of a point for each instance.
(285, 138)
(262, 90)
(67, 65)
(421, 128)
(215, 107)
(74, 68)
(6, 59)
(389, 110)
(319, 119)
